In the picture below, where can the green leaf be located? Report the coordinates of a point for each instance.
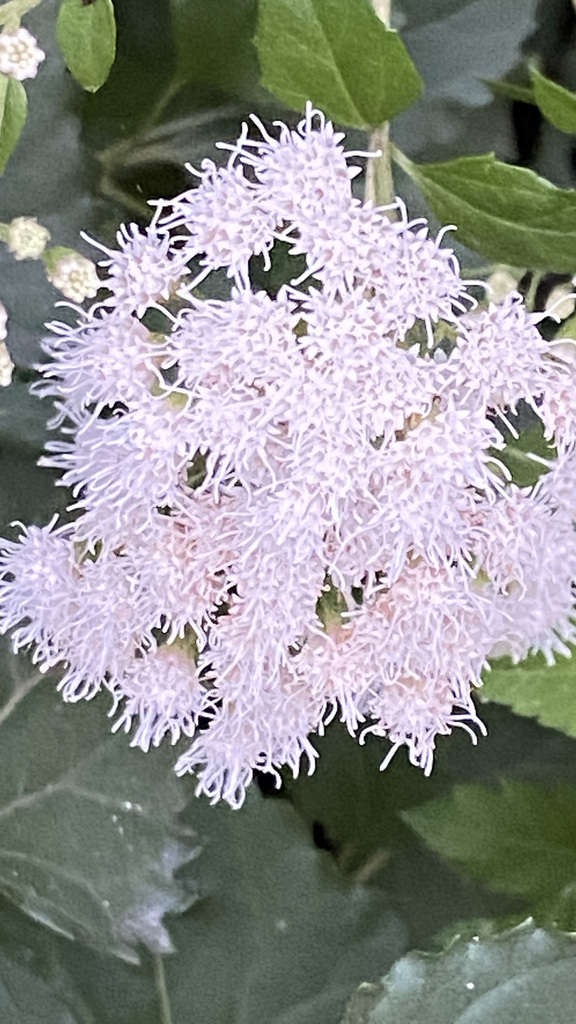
(26, 999)
(340, 56)
(89, 838)
(523, 976)
(518, 839)
(456, 45)
(13, 110)
(535, 689)
(86, 33)
(216, 51)
(512, 91)
(280, 935)
(516, 456)
(505, 213)
(556, 103)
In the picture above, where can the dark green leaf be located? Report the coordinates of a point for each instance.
(536, 689)
(87, 38)
(505, 213)
(280, 935)
(523, 976)
(518, 839)
(340, 56)
(556, 103)
(216, 50)
(89, 837)
(26, 999)
(456, 45)
(13, 110)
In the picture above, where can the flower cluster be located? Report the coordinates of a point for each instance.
(20, 55)
(291, 504)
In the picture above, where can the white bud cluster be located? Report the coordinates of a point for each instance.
(20, 55)
(291, 503)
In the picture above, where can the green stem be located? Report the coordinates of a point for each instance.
(160, 977)
(379, 180)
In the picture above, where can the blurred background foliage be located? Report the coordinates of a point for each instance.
(124, 900)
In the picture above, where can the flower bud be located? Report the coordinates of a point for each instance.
(27, 238)
(20, 56)
(6, 366)
(73, 274)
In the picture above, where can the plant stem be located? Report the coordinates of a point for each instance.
(165, 1011)
(379, 181)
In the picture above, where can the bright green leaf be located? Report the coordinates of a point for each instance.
(556, 103)
(535, 689)
(518, 839)
(13, 110)
(89, 839)
(512, 91)
(87, 38)
(523, 976)
(505, 213)
(339, 55)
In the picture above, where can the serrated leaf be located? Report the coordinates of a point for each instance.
(522, 976)
(13, 111)
(340, 56)
(535, 689)
(556, 103)
(518, 839)
(86, 33)
(89, 837)
(505, 213)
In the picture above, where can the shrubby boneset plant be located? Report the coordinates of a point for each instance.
(292, 508)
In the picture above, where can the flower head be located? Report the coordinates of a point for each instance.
(289, 504)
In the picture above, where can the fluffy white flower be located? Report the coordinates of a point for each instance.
(290, 506)
(161, 690)
(20, 55)
(143, 270)
(102, 360)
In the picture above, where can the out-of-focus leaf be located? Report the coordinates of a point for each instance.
(505, 213)
(89, 837)
(456, 45)
(518, 839)
(26, 999)
(279, 935)
(13, 110)
(533, 688)
(87, 38)
(23, 417)
(556, 103)
(340, 56)
(525, 975)
(215, 48)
